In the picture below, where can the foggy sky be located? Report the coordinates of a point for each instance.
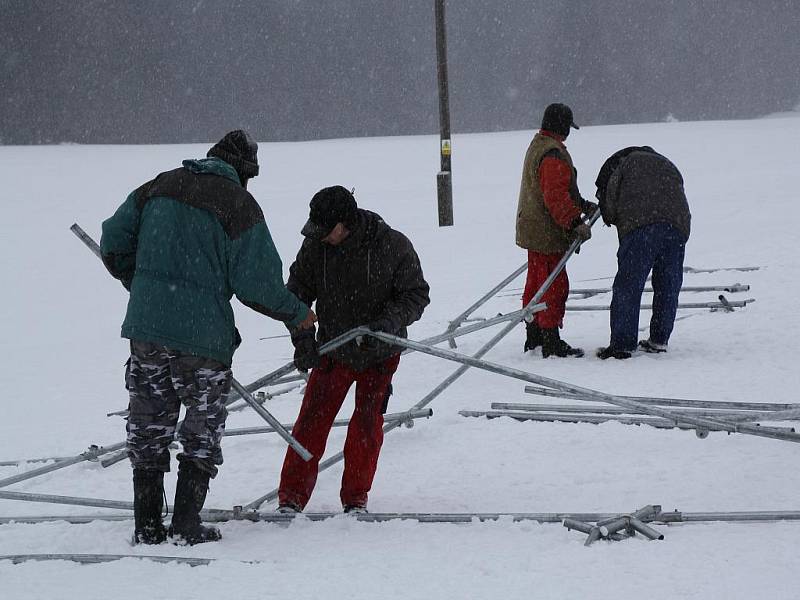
(151, 71)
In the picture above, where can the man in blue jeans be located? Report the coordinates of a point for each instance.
(641, 193)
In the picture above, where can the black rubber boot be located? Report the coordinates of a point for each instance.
(190, 495)
(553, 345)
(534, 339)
(148, 494)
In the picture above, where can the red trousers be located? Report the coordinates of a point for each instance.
(326, 390)
(539, 267)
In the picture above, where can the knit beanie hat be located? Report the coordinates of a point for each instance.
(558, 119)
(238, 150)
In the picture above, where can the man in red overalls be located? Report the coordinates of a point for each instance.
(548, 220)
(360, 272)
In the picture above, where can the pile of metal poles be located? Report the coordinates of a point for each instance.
(752, 414)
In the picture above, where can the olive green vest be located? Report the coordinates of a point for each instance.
(536, 229)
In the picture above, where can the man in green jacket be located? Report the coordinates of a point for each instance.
(183, 244)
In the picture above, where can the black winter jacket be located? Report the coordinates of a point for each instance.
(373, 275)
(643, 188)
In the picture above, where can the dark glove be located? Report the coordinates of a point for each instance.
(384, 325)
(588, 208)
(582, 231)
(369, 343)
(306, 354)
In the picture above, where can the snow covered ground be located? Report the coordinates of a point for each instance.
(62, 364)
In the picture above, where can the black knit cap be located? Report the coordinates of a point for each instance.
(558, 119)
(238, 150)
(329, 206)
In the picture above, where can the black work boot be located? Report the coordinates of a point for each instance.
(190, 495)
(611, 352)
(553, 345)
(534, 339)
(148, 494)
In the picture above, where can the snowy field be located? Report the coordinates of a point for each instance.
(62, 371)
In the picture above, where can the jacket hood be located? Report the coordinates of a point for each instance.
(212, 166)
(369, 228)
(611, 164)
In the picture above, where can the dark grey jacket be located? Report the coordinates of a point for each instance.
(645, 188)
(373, 275)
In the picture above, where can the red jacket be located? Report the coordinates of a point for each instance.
(554, 178)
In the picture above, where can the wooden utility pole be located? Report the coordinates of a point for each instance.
(444, 180)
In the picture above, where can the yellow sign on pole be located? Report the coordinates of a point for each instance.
(445, 147)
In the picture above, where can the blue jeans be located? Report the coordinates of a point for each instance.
(658, 247)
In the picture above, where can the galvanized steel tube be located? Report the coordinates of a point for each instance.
(88, 455)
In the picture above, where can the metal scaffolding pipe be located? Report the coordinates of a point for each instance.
(702, 422)
(731, 289)
(658, 422)
(273, 517)
(667, 518)
(267, 416)
(262, 397)
(685, 305)
(729, 517)
(91, 454)
(404, 418)
(586, 528)
(93, 559)
(644, 529)
(615, 410)
(554, 393)
(589, 292)
(607, 528)
(646, 513)
(22, 461)
(72, 519)
(80, 501)
(456, 322)
(72, 500)
(739, 415)
(776, 415)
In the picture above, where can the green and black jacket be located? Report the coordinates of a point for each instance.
(183, 244)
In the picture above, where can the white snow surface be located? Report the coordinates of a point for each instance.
(62, 371)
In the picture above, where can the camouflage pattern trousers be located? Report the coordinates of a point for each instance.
(159, 380)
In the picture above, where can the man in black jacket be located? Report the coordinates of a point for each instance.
(641, 193)
(360, 272)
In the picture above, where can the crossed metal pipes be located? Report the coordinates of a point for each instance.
(611, 527)
(746, 411)
(551, 417)
(586, 394)
(511, 319)
(743, 415)
(404, 418)
(244, 392)
(475, 361)
(425, 346)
